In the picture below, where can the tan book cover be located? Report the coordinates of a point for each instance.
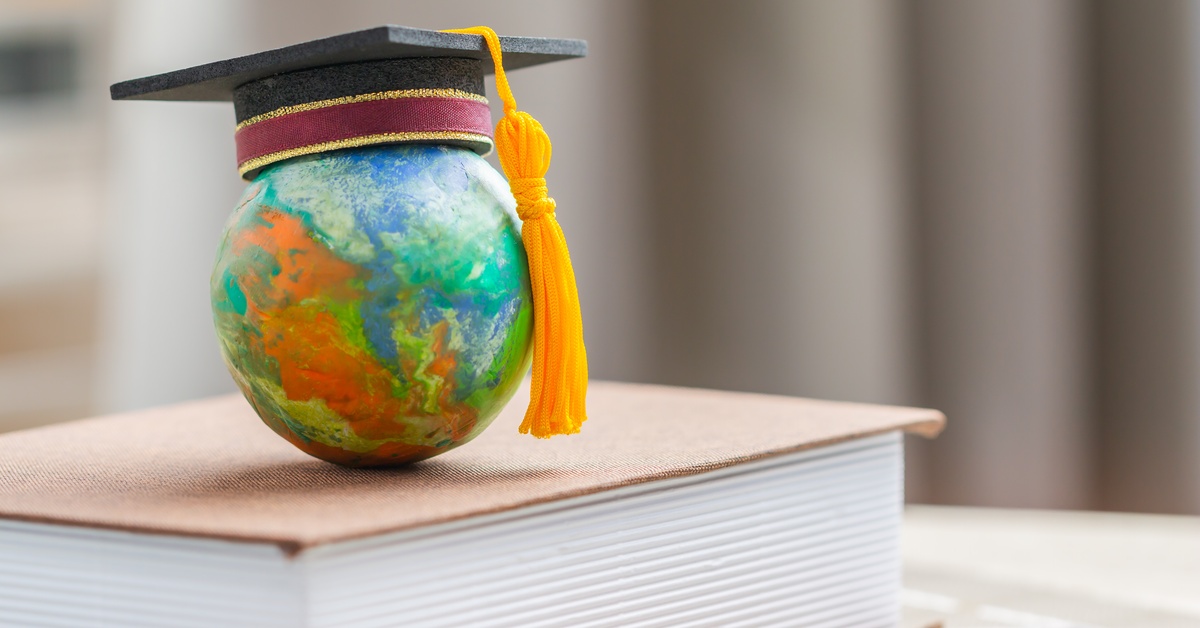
(211, 469)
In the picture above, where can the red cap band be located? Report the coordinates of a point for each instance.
(382, 118)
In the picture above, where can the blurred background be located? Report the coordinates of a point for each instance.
(988, 207)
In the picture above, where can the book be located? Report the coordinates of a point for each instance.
(672, 507)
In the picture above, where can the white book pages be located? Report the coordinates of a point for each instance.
(809, 538)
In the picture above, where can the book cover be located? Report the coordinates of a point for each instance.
(710, 484)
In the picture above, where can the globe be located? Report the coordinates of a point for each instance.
(373, 304)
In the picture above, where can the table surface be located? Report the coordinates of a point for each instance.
(982, 567)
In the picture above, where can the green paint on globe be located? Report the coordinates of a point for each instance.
(373, 304)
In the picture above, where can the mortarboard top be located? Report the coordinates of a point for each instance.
(216, 81)
(386, 84)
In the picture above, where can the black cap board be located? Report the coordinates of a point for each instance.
(388, 84)
(217, 81)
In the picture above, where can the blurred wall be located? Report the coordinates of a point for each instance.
(51, 207)
(999, 151)
(171, 185)
(989, 208)
(1147, 254)
(779, 212)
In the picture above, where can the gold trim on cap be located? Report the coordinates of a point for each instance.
(345, 100)
(355, 142)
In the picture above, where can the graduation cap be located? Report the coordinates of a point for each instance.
(394, 84)
(381, 85)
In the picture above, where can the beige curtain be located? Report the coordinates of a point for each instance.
(1147, 255)
(987, 207)
(999, 161)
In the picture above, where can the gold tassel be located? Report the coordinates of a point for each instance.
(559, 388)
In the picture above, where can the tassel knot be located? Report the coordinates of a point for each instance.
(532, 199)
(560, 375)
